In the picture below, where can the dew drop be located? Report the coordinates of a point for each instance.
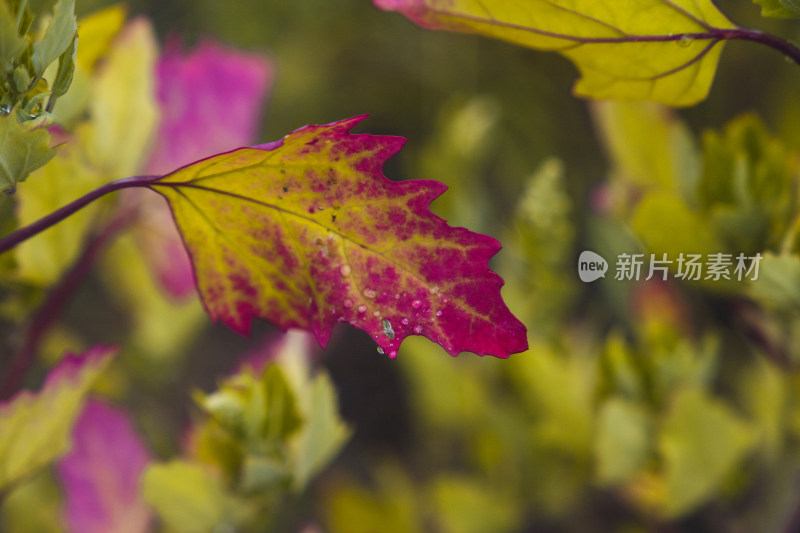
(5, 110)
(434, 289)
(348, 303)
(345, 270)
(685, 41)
(380, 351)
(404, 321)
(376, 314)
(393, 354)
(418, 329)
(370, 293)
(397, 296)
(341, 319)
(387, 328)
(438, 313)
(416, 304)
(362, 309)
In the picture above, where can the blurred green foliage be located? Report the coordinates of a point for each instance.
(642, 406)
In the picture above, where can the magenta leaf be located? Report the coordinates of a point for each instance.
(101, 474)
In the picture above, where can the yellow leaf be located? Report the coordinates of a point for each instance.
(186, 498)
(123, 107)
(702, 441)
(42, 260)
(95, 34)
(111, 144)
(660, 50)
(35, 427)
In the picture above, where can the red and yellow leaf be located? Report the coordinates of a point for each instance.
(308, 233)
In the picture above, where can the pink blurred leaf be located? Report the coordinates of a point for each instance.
(101, 474)
(211, 101)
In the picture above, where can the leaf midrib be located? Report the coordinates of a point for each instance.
(177, 186)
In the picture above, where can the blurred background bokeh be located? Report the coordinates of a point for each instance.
(641, 406)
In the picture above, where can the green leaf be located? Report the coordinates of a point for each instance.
(59, 36)
(462, 507)
(43, 259)
(278, 425)
(11, 43)
(21, 151)
(623, 443)
(688, 231)
(748, 184)
(785, 9)
(185, 496)
(66, 69)
(658, 50)
(323, 432)
(778, 283)
(649, 146)
(701, 441)
(541, 242)
(390, 505)
(35, 427)
(33, 506)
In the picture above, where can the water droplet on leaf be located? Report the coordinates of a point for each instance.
(380, 351)
(5, 110)
(685, 41)
(345, 270)
(416, 304)
(362, 309)
(418, 329)
(404, 321)
(348, 303)
(370, 293)
(438, 313)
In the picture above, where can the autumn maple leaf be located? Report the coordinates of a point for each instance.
(307, 233)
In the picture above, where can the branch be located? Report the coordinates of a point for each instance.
(23, 234)
(787, 48)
